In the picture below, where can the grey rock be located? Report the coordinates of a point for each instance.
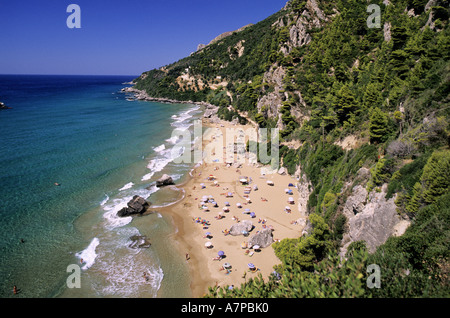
(241, 227)
(371, 218)
(137, 205)
(263, 238)
(356, 202)
(164, 181)
(210, 111)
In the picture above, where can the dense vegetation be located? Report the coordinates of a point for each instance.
(386, 88)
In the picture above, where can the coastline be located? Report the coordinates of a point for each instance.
(189, 236)
(142, 95)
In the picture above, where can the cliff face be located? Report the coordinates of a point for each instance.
(298, 28)
(371, 218)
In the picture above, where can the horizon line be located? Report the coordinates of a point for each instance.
(35, 74)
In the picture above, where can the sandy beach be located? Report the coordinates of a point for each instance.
(268, 203)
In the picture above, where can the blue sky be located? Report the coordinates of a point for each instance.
(116, 37)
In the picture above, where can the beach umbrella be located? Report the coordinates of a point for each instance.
(286, 190)
(253, 214)
(291, 199)
(290, 185)
(227, 203)
(256, 247)
(244, 245)
(221, 253)
(250, 265)
(230, 194)
(208, 244)
(288, 208)
(227, 265)
(208, 233)
(239, 205)
(247, 210)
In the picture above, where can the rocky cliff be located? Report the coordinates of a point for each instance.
(371, 218)
(222, 36)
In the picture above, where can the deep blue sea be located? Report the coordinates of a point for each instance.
(102, 148)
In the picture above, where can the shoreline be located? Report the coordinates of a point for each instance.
(189, 238)
(142, 95)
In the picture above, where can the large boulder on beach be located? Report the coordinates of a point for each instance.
(263, 238)
(164, 181)
(241, 228)
(137, 205)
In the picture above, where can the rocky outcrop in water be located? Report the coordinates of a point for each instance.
(3, 106)
(136, 206)
(164, 181)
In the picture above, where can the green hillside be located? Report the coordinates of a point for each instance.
(318, 73)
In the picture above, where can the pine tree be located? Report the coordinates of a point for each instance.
(372, 95)
(378, 126)
(345, 104)
(434, 182)
(436, 176)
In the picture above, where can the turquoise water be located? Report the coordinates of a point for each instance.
(82, 133)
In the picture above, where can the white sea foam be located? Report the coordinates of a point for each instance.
(158, 163)
(123, 276)
(182, 121)
(104, 200)
(159, 148)
(125, 279)
(111, 219)
(173, 140)
(127, 186)
(89, 255)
